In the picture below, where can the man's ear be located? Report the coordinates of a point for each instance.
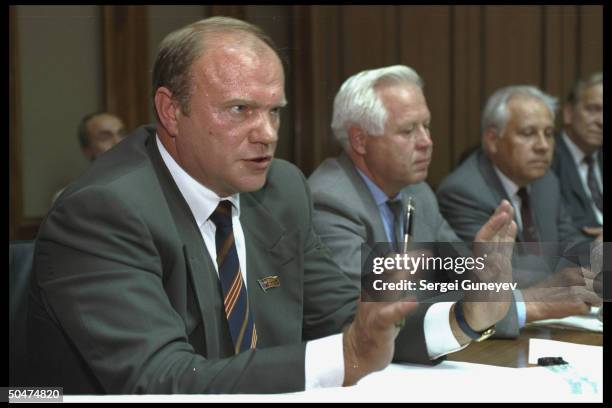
(568, 109)
(168, 110)
(489, 140)
(357, 139)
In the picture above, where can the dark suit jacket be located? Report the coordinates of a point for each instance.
(578, 204)
(125, 298)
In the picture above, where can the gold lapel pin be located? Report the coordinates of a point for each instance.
(269, 282)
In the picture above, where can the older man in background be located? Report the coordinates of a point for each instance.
(578, 158)
(513, 164)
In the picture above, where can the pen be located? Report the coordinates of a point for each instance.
(408, 221)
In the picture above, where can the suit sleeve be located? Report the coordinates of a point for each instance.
(101, 278)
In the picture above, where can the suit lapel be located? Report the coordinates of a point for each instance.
(201, 270)
(571, 174)
(271, 251)
(365, 197)
(495, 185)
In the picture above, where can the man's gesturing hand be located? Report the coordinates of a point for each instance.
(369, 341)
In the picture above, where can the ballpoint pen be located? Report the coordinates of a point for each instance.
(408, 222)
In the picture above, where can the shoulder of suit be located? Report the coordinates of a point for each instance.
(549, 179)
(126, 160)
(326, 175)
(421, 189)
(465, 171)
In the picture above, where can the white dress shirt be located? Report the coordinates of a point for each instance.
(583, 171)
(324, 361)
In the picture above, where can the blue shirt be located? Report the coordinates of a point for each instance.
(381, 202)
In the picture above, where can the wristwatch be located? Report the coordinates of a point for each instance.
(465, 327)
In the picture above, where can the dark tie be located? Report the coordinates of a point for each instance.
(530, 233)
(235, 299)
(397, 209)
(592, 183)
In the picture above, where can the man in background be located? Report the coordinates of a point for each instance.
(578, 159)
(97, 132)
(513, 164)
(382, 121)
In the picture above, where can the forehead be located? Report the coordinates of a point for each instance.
(104, 121)
(593, 93)
(525, 108)
(233, 62)
(404, 101)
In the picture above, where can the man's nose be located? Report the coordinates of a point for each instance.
(265, 130)
(543, 142)
(599, 119)
(424, 140)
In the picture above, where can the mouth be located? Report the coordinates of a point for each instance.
(260, 162)
(423, 162)
(542, 163)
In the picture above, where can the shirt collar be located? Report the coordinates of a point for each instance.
(201, 200)
(509, 186)
(379, 196)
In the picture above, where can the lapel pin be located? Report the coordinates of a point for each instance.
(269, 282)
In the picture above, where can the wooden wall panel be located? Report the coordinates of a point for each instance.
(127, 78)
(560, 49)
(20, 226)
(317, 64)
(590, 53)
(513, 46)
(363, 26)
(426, 46)
(465, 92)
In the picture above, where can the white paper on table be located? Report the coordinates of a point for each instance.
(588, 322)
(453, 381)
(584, 372)
(449, 381)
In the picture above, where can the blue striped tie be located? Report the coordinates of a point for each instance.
(235, 298)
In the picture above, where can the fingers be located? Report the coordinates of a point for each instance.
(496, 227)
(585, 295)
(593, 231)
(492, 227)
(587, 273)
(510, 232)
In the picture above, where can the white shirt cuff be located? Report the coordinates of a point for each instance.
(521, 309)
(324, 364)
(439, 337)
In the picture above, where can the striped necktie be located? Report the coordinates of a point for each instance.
(235, 298)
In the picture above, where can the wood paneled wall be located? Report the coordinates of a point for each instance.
(463, 53)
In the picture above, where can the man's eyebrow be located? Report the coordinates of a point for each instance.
(250, 102)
